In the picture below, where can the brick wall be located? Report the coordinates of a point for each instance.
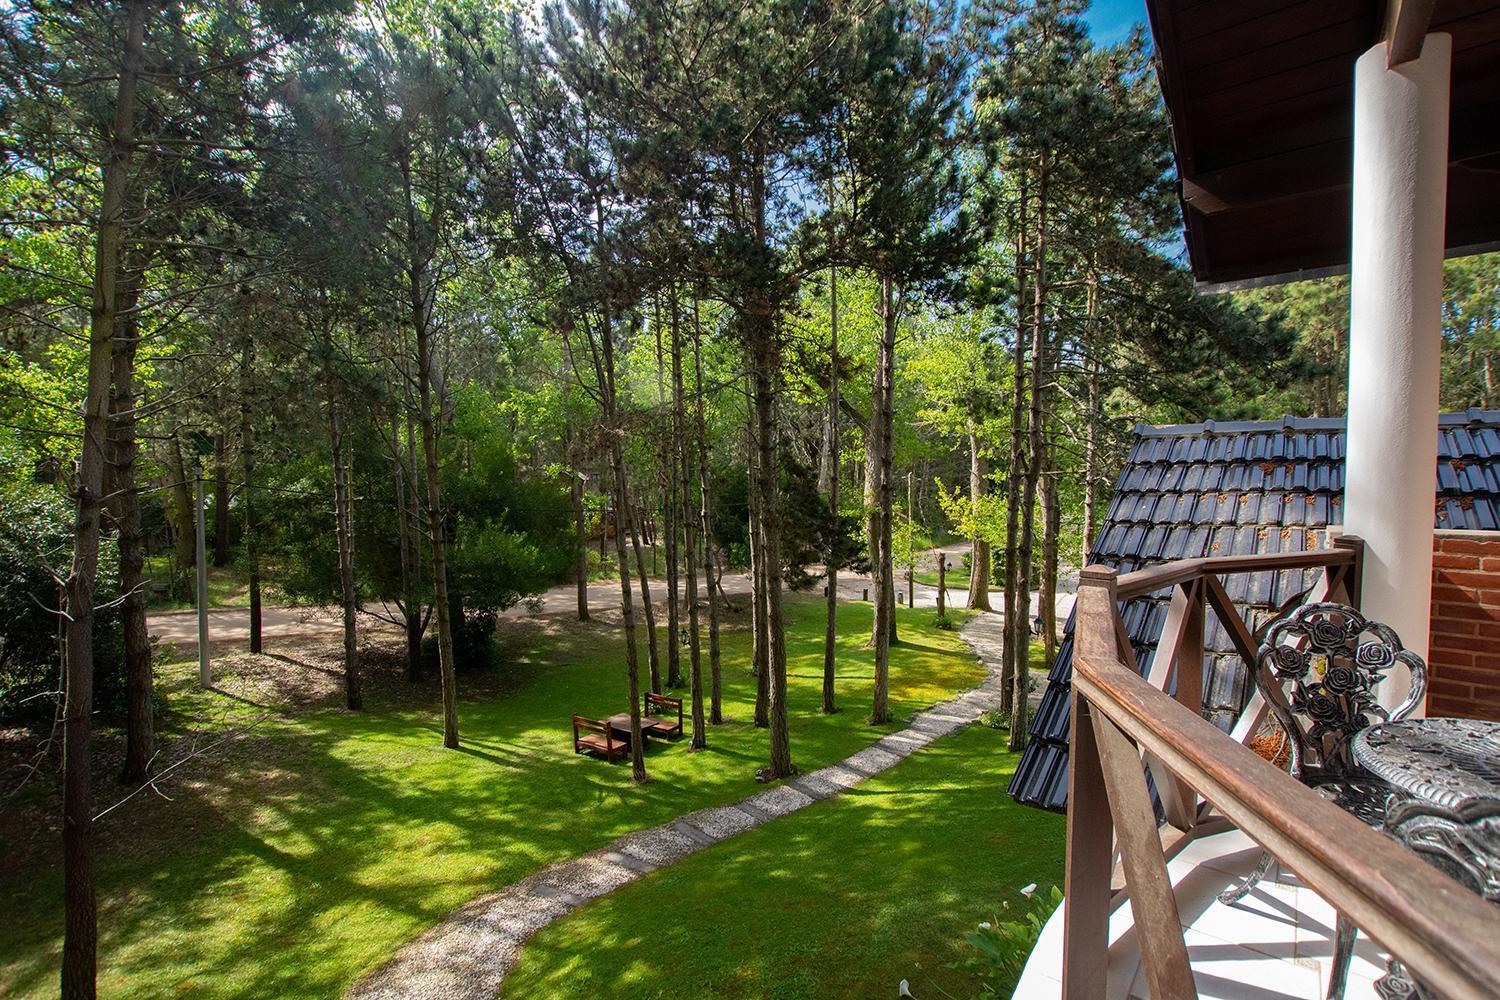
(1464, 660)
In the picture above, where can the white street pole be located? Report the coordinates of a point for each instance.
(204, 678)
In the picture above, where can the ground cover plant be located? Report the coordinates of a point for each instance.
(299, 856)
(845, 898)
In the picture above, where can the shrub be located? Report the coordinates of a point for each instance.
(999, 948)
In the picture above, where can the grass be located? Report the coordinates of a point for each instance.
(843, 899)
(296, 858)
(228, 587)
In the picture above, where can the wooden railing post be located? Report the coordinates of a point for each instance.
(1090, 855)
(1353, 573)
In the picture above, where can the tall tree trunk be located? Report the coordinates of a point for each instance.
(1051, 523)
(410, 530)
(252, 514)
(343, 528)
(126, 511)
(581, 562)
(1092, 404)
(885, 580)
(671, 537)
(831, 465)
(715, 702)
(759, 636)
(1015, 586)
(420, 301)
(184, 549)
(221, 498)
(1021, 677)
(682, 468)
(80, 916)
(873, 430)
(979, 548)
(646, 607)
(767, 369)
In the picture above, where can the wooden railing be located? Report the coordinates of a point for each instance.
(1208, 780)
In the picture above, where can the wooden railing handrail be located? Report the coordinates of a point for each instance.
(1154, 578)
(1444, 932)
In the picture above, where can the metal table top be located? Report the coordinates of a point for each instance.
(1448, 762)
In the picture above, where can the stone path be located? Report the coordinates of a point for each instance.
(469, 954)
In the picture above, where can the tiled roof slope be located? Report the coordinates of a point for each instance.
(1234, 489)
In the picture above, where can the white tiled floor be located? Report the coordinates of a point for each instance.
(1275, 944)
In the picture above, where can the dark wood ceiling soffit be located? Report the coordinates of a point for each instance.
(1260, 95)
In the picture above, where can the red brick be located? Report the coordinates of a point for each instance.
(1490, 564)
(1467, 675)
(1454, 628)
(1452, 595)
(1470, 546)
(1488, 630)
(1467, 611)
(1470, 580)
(1447, 561)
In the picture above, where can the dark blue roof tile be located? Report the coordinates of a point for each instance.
(1281, 484)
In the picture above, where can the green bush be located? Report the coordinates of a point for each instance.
(999, 948)
(36, 547)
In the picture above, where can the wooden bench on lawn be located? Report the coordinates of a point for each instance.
(593, 736)
(656, 719)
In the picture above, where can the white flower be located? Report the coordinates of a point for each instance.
(984, 925)
(1029, 890)
(905, 990)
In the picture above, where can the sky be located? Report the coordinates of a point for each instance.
(1111, 20)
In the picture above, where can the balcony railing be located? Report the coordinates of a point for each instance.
(1207, 780)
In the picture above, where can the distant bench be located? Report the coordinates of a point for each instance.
(611, 737)
(593, 736)
(656, 719)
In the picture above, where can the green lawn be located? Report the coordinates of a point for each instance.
(228, 587)
(300, 856)
(843, 899)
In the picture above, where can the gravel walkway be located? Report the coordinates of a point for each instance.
(469, 954)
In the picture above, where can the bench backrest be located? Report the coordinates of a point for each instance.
(663, 702)
(593, 726)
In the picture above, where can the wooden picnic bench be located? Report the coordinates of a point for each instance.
(593, 736)
(656, 719)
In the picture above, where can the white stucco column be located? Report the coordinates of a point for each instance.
(1396, 290)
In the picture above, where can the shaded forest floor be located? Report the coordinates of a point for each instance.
(303, 843)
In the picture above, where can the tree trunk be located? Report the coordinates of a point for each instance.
(715, 702)
(885, 581)
(831, 465)
(343, 528)
(1092, 404)
(682, 468)
(873, 431)
(1021, 677)
(1051, 523)
(184, 550)
(221, 499)
(767, 367)
(252, 516)
(646, 607)
(1015, 598)
(759, 636)
(979, 548)
(80, 915)
(410, 531)
(942, 594)
(674, 613)
(126, 511)
(581, 564)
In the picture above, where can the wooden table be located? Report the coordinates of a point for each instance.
(619, 724)
(1446, 809)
